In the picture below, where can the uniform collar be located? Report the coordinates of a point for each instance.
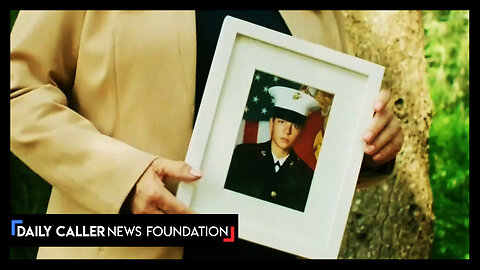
(280, 160)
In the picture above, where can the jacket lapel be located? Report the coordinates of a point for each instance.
(184, 23)
(289, 162)
(267, 158)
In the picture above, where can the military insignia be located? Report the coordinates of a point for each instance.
(296, 96)
(263, 152)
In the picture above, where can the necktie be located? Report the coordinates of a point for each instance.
(277, 166)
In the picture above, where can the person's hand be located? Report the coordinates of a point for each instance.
(384, 139)
(150, 196)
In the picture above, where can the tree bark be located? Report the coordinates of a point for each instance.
(394, 219)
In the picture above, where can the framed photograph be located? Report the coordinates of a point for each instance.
(279, 138)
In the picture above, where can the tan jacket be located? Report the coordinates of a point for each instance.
(97, 95)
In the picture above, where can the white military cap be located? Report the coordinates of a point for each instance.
(291, 104)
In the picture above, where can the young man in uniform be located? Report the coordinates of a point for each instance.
(272, 171)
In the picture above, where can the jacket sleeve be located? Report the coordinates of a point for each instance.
(369, 177)
(60, 145)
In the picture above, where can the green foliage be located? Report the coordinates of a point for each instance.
(13, 16)
(447, 55)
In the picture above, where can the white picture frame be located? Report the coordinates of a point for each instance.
(242, 49)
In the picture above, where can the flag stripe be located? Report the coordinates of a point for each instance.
(250, 132)
(263, 131)
(240, 133)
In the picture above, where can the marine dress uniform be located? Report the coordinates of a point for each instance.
(252, 172)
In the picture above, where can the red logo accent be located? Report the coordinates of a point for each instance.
(232, 235)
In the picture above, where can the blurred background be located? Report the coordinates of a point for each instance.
(447, 55)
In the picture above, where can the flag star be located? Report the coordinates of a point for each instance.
(265, 89)
(255, 99)
(257, 77)
(264, 110)
(273, 101)
(246, 109)
(275, 79)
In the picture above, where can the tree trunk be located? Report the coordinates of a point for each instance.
(394, 219)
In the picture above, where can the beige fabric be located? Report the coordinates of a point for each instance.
(97, 95)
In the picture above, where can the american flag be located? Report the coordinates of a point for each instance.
(255, 127)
